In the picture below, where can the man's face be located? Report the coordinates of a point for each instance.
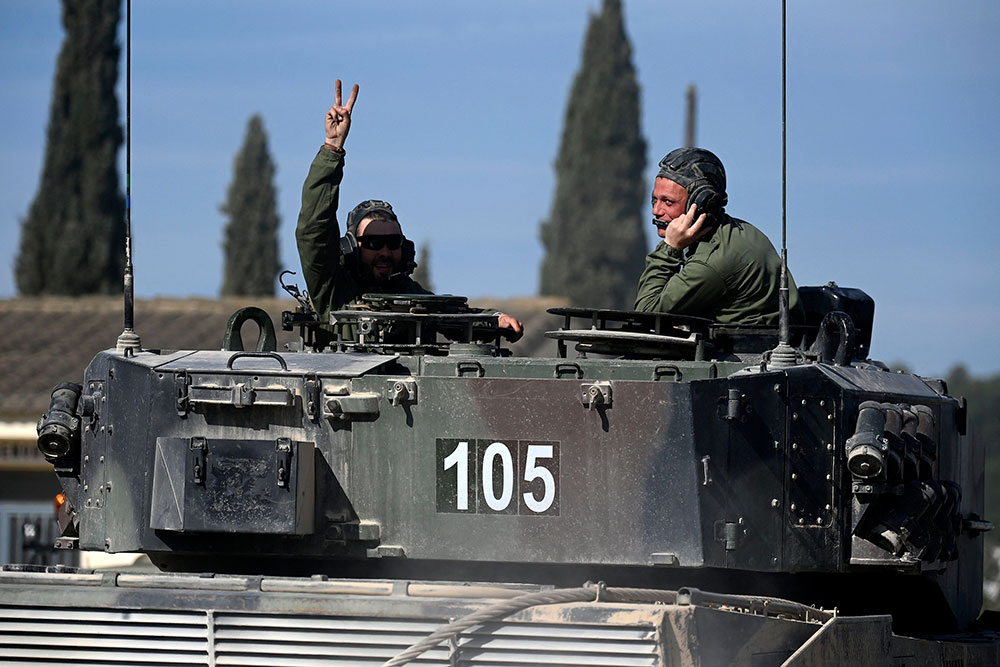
(669, 202)
(379, 261)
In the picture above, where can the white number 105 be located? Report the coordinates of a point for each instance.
(534, 469)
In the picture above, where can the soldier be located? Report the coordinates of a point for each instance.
(709, 264)
(373, 256)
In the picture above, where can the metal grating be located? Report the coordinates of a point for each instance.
(558, 644)
(50, 635)
(314, 641)
(286, 641)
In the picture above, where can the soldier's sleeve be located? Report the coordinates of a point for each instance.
(317, 233)
(666, 287)
(661, 266)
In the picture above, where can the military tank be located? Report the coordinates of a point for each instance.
(414, 483)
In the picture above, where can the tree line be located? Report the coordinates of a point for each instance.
(73, 236)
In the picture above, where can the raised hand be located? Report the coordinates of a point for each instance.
(338, 118)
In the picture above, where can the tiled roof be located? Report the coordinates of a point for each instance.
(50, 340)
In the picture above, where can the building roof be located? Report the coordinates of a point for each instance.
(50, 340)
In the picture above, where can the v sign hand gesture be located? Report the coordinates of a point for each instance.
(338, 118)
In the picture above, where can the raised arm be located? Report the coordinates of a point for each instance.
(317, 233)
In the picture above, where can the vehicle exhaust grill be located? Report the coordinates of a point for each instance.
(50, 635)
(280, 640)
(123, 638)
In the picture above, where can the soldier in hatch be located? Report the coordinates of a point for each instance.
(373, 256)
(709, 264)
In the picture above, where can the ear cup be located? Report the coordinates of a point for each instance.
(349, 251)
(409, 257)
(704, 195)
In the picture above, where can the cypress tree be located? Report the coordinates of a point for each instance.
(594, 237)
(422, 274)
(251, 235)
(73, 238)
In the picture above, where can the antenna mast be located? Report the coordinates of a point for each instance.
(128, 339)
(691, 108)
(784, 354)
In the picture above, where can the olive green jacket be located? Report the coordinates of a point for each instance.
(730, 276)
(331, 279)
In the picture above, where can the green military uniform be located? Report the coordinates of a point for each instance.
(332, 281)
(731, 276)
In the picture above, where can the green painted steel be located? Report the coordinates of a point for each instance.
(666, 451)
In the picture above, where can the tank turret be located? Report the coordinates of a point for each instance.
(652, 450)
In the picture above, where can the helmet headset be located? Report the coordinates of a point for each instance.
(701, 173)
(349, 241)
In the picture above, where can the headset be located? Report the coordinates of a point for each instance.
(701, 173)
(349, 241)
(709, 200)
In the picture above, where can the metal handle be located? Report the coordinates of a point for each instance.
(667, 369)
(560, 369)
(470, 365)
(270, 355)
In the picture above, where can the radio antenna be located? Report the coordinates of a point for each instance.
(128, 339)
(784, 354)
(691, 115)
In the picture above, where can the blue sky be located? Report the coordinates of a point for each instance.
(893, 150)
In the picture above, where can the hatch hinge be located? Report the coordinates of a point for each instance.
(198, 451)
(181, 383)
(596, 394)
(734, 406)
(402, 391)
(311, 388)
(283, 460)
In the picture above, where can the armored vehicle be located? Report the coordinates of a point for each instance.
(414, 483)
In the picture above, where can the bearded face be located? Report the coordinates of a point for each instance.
(380, 244)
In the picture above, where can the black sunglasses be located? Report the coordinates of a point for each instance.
(378, 241)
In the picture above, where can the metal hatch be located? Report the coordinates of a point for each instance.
(330, 365)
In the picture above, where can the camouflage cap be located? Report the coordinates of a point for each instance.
(367, 208)
(687, 166)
